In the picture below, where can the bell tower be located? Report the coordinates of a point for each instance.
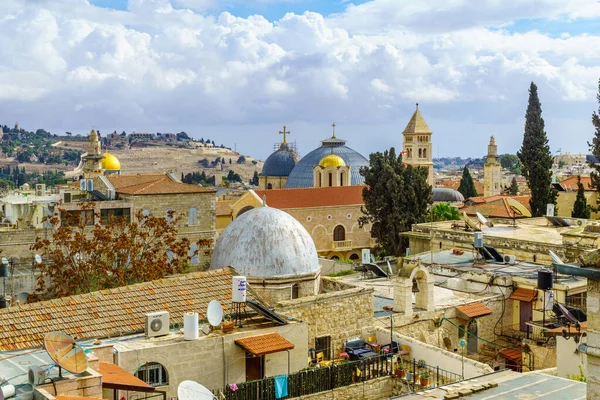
(417, 146)
(492, 178)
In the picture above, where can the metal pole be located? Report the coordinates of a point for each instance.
(392, 332)
(544, 311)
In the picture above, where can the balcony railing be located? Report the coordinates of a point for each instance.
(534, 330)
(342, 244)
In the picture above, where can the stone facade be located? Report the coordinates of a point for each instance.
(271, 182)
(375, 389)
(276, 289)
(342, 314)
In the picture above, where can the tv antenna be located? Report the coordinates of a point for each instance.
(65, 352)
(214, 313)
(190, 390)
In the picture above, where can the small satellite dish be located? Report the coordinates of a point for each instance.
(65, 352)
(38, 259)
(555, 259)
(483, 220)
(4, 261)
(190, 390)
(214, 313)
(518, 208)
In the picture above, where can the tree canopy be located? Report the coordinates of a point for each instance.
(536, 158)
(511, 162)
(467, 186)
(580, 207)
(513, 190)
(595, 147)
(396, 196)
(443, 212)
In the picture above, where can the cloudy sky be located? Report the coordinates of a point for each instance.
(237, 70)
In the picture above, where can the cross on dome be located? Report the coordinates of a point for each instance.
(333, 126)
(284, 133)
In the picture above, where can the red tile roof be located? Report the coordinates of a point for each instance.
(522, 294)
(474, 310)
(265, 344)
(313, 197)
(571, 183)
(494, 206)
(113, 312)
(152, 184)
(512, 354)
(115, 377)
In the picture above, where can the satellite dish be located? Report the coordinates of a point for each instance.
(65, 352)
(38, 259)
(555, 259)
(190, 390)
(214, 313)
(518, 208)
(483, 220)
(4, 261)
(469, 222)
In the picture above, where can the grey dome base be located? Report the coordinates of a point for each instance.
(449, 195)
(280, 163)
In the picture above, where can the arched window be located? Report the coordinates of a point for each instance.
(424, 153)
(269, 186)
(330, 179)
(420, 153)
(295, 291)
(342, 178)
(194, 254)
(339, 233)
(243, 210)
(193, 216)
(354, 257)
(320, 180)
(154, 374)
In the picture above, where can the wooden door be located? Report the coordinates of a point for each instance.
(472, 337)
(526, 314)
(254, 368)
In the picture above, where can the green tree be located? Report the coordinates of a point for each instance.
(443, 212)
(595, 149)
(514, 187)
(580, 208)
(536, 158)
(241, 160)
(467, 186)
(396, 196)
(254, 180)
(511, 162)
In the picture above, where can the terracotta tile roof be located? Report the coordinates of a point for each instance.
(115, 377)
(512, 354)
(474, 310)
(265, 344)
(494, 206)
(113, 311)
(571, 183)
(224, 207)
(152, 184)
(313, 197)
(523, 294)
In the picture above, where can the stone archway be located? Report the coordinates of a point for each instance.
(403, 289)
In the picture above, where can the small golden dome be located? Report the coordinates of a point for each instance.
(331, 160)
(110, 162)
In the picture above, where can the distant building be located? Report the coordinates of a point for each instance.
(492, 171)
(417, 144)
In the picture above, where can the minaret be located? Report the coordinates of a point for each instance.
(492, 171)
(92, 166)
(417, 144)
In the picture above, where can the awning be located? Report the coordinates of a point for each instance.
(473, 310)
(512, 355)
(522, 294)
(570, 331)
(264, 344)
(115, 377)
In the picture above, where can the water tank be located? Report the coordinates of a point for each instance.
(3, 270)
(190, 326)
(238, 289)
(478, 240)
(544, 279)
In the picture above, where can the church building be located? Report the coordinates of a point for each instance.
(417, 144)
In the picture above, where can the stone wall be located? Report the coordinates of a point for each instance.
(341, 315)
(375, 389)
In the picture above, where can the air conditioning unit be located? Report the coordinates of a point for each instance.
(157, 324)
(510, 259)
(36, 375)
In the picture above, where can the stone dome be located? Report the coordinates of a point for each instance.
(302, 176)
(280, 163)
(266, 242)
(447, 195)
(332, 160)
(110, 162)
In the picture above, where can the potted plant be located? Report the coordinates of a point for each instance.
(400, 370)
(424, 378)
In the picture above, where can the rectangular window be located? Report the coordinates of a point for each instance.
(323, 345)
(108, 214)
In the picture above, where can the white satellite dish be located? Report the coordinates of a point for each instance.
(4, 261)
(214, 313)
(38, 259)
(555, 259)
(483, 220)
(190, 390)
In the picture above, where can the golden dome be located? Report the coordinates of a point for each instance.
(331, 160)
(110, 162)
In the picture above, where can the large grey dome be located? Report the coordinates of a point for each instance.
(266, 242)
(302, 175)
(280, 163)
(445, 194)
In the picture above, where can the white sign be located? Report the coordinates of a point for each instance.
(550, 210)
(366, 256)
(549, 302)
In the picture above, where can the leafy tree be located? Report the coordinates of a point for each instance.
(83, 255)
(396, 196)
(580, 208)
(511, 162)
(536, 158)
(204, 163)
(443, 212)
(514, 187)
(241, 160)
(595, 149)
(233, 177)
(254, 180)
(467, 186)
(561, 164)
(182, 135)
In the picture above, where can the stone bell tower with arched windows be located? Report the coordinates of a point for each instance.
(417, 144)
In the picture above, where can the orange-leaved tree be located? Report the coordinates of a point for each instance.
(83, 255)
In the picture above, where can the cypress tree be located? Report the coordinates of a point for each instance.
(514, 188)
(580, 208)
(467, 186)
(595, 148)
(536, 158)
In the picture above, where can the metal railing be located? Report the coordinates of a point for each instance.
(534, 330)
(342, 244)
(310, 381)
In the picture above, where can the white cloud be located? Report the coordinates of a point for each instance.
(161, 65)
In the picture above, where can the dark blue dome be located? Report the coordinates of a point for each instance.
(302, 174)
(280, 163)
